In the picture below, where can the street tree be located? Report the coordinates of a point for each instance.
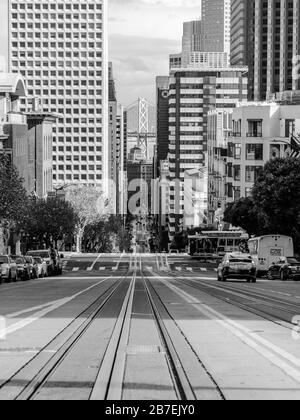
(245, 214)
(50, 220)
(107, 234)
(90, 206)
(277, 194)
(275, 203)
(13, 200)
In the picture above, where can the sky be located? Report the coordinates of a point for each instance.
(142, 34)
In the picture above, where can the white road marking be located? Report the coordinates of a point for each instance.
(253, 340)
(102, 268)
(178, 268)
(75, 269)
(45, 309)
(95, 262)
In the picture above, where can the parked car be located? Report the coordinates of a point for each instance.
(8, 269)
(54, 266)
(237, 265)
(32, 267)
(41, 266)
(285, 268)
(24, 272)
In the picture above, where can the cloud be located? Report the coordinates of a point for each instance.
(142, 35)
(137, 61)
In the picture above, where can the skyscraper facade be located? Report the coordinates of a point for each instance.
(269, 33)
(162, 106)
(60, 47)
(191, 40)
(216, 26)
(241, 11)
(193, 93)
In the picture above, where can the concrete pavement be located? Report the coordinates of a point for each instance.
(162, 326)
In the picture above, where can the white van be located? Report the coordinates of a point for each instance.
(267, 250)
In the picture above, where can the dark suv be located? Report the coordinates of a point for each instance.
(285, 268)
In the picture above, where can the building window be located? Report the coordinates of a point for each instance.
(254, 151)
(237, 173)
(238, 151)
(253, 173)
(236, 193)
(254, 128)
(248, 192)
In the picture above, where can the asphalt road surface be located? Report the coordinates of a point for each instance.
(148, 327)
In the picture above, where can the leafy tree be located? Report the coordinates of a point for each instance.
(106, 234)
(13, 200)
(275, 203)
(90, 206)
(277, 195)
(245, 214)
(50, 220)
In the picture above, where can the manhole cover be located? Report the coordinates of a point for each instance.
(135, 350)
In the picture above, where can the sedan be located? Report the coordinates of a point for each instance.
(237, 265)
(8, 269)
(285, 268)
(22, 267)
(33, 268)
(41, 266)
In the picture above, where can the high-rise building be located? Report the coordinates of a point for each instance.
(191, 40)
(216, 26)
(241, 11)
(266, 36)
(26, 137)
(60, 47)
(162, 105)
(116, 147)
(192, 94)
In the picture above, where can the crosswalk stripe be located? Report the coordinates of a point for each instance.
(190, 269)
(101, 268)
(89, 268)
(203, 269)
(76, 269)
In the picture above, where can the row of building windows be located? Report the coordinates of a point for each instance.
(56, 16)
(253, 151)
(77, 177)
(76, 149)
(56, 64)
(77, 167)
(53, 6)
(56, 45)
(55, 54)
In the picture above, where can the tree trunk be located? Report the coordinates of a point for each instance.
(2, 245)
(79, 238)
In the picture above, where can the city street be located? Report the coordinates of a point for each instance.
(148, 327)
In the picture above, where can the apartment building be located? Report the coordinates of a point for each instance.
(60, 48)
(260, 132)
(218, 131)
(192, 94)
(26, 137)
